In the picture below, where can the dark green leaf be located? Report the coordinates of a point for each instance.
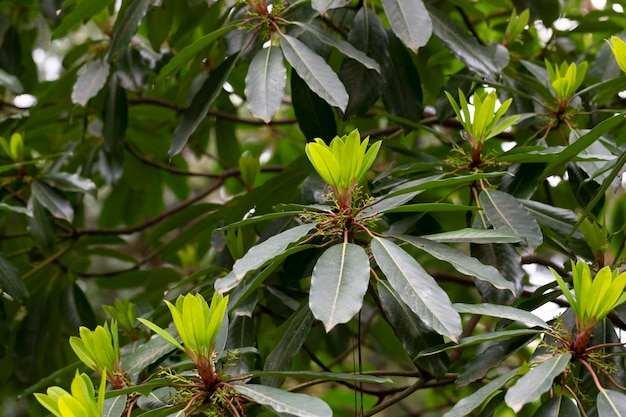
(537, 381)
(505, 258)
(436, 181)
(488, 62)
(296, 330)
(402, 89)
(124, 31)
(323, 5)
(416, 288)
(560, 406)
(325, 376)
(315, 116)
(42, 226)
(91, 79)
(338, 284)
(506, 212)
(461, 262)
(505, 312)
(187, 53)
(199, 106)
(475, 236)
(159, 21)
(285, 403)
(412, 332)
(468, 404)
(114, 116)
(478, 339)
(265, 83)
(410, 21)
(15, 209)
(147, 354)
(54, 201)
(82, 11)
(11, 282)
(114, 407)
(318, 75)
(432, 207)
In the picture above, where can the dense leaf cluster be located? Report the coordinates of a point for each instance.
(155, 149)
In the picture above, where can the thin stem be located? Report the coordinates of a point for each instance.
(592, 372)
(396, 398)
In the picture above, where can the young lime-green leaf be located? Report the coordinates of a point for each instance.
(165, 335)
(566, 292)
(323, 161)
(17, 147)
(70, 407)
(78, 346)
(618, 47)
(219, 304)
(370, 157)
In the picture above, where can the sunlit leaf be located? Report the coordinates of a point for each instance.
(410, 21)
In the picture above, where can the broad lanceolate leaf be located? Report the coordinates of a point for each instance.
(537, 381)
(285, 403)
(468, 404)
(315, 72)
(188, 52)
(10, 281)
(265, 83)
(114, 407)
(486, 61)
(560, 406)
(338, 284)
(316, 117)
(342, 46)
(90, 81)
(416, 288)
(125, 30)
(259, 254)
(115, 116)
(611, 403)
(478, 339)
(505, 312)
(51, 199)
(475, 236)
(323, 5)
(296, 332)
(200, 104)
(410, 21)
(506, 212)
(461, 262)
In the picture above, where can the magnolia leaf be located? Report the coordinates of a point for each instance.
(505, 212)
(129, 21)
(70, 182)
(265, 251)
(537, 381)
(468, 404)
(90, 81)
(285, 403)
(338, 284)
(54, 201)
(323, 5)
(342, 46)
(316, 117)
(114, 407)
(611, 403)
(469, 235)
(416, 288)
(11, 282)
(410, 21)
(83, 11)
(505, 312)
(560, 406)
(461, 262)
(200, 103)
(478, 339)
(317, 74)
(265, 83)
(326, 376)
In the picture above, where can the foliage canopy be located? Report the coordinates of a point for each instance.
(371, 195)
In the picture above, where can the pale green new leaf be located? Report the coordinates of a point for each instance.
(165, 335)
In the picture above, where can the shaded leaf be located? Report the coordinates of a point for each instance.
(402, 89)
(436, 181)
(468, 404)
(147, 353)
(478, 339)
(506, 212)
(505, 258)
(265, 83)
(42, 226)
(11, 282)
(83, 11)
(15, 209)
(461, 262)
(90, 81)
(296, 331)
(54, 201)
(412, 332)
(410, 21)
(338, 283)
(200, 103)
(478, 58)
(560, 406)
(114, 116)
(326, 376)
(316, 118)
(537, 381)
(114, 407)
(323, 5)
(188, 52)
(318, 75)
(416, 288)
(283, 402)
(127, 26)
